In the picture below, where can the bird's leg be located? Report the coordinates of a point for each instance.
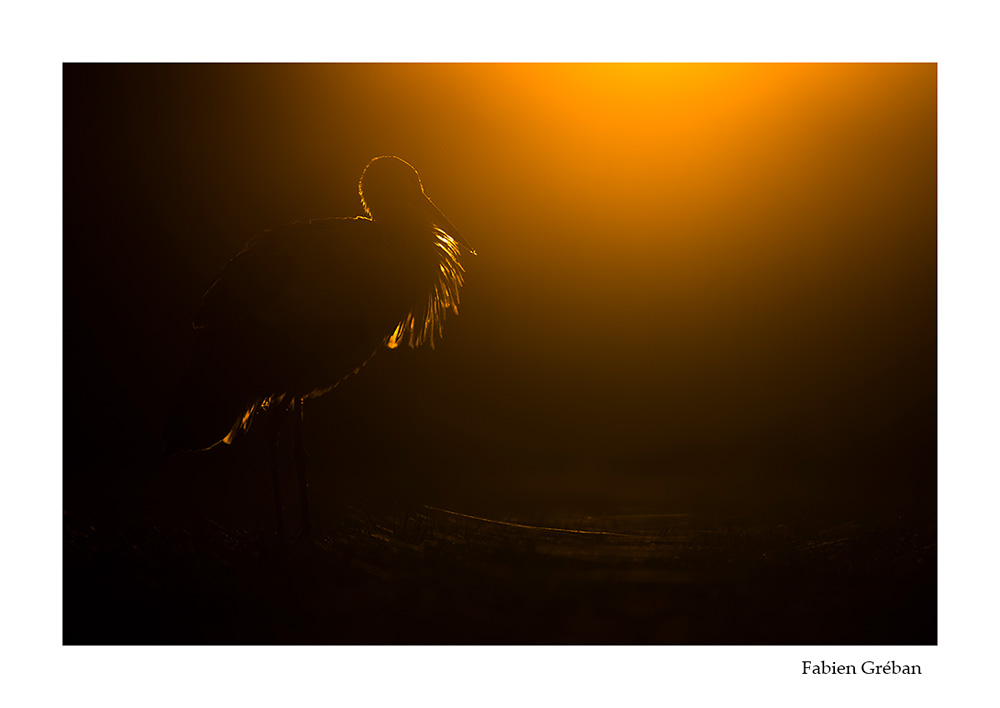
(277, 409)
(272, 462)
(299, 452)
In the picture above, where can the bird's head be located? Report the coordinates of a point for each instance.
(391, 193)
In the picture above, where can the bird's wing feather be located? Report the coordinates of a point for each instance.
(259, 274)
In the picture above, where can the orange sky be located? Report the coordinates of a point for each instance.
(679, 264)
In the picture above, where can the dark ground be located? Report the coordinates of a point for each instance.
(379, 571)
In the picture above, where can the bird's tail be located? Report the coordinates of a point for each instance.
(205, 410)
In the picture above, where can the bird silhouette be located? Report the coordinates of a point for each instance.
(303, 306)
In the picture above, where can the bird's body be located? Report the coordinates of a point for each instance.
(303, 306)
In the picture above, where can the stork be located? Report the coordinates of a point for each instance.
(304, 306)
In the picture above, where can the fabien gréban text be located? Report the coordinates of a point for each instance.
(875, 668)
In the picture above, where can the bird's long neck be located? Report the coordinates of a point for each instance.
(431, 259)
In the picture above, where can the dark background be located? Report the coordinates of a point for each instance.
(770, 337)
(700, 287)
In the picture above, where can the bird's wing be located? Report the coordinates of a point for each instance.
(267, 265)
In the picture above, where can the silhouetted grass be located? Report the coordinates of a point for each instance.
(389, 573)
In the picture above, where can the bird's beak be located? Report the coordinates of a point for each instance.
(442, 222)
